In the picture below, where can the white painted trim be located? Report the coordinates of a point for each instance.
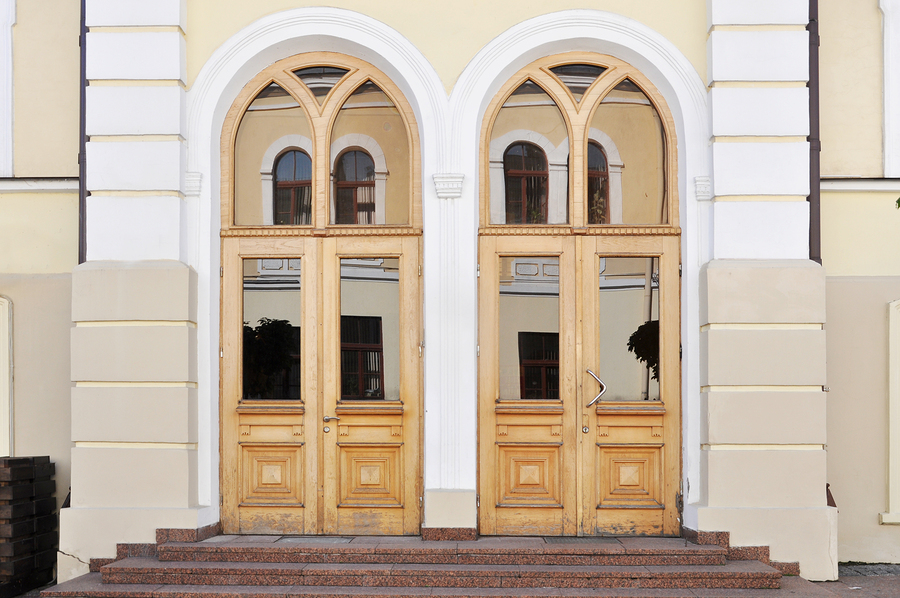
(891, 10)
(266, 169)
(861, 185)
(7, 20)
(892, 516)
(371, 147)
(7, 427)
(38, 185)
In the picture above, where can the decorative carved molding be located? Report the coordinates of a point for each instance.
(703, 188)
(561, 231)
(448, 186)
(193, 183)
(320, 232)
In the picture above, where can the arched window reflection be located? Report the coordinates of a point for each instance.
(292, 187)
(525, 171)
(354, 188)
(598, 185)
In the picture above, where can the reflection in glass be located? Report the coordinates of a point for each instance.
(273, 125)
(529, 328)
(320, 79)
(292, 188)
(271, 339)
(354, 188)
(529, 119)
(525, 169)
(598, 185)
(628, 334)
(578, 77)
(369, 123)
(370, 329)
(628, 120)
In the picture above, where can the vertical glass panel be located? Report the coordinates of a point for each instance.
(272, 315)
(598, 185)
(578, 77)
(370, 329)
(628, 334)
(369, 123)
(273, 125)
(627, 122)
(320, 79)
(529, 328)
(529, 160)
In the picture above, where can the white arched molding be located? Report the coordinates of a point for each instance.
(371, 147)
(7, 20)
(233, 64)
(267, 169)
(6, 378)
(686, 97)
(557, 171)
(614, 166)
(892, 516)
(891, 10)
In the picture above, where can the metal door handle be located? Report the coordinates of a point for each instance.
(602, 388)
(327, 419)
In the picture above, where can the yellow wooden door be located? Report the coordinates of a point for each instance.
(305, 449)
(372, 386)
(631, 434)
(553, 461)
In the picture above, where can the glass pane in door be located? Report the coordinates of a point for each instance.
(370, 329)
(271, 338)
(529, 328)
(628, 335)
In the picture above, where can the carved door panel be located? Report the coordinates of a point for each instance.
(371, 386)
(631, 442)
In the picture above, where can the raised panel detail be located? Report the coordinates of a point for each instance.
(630, 476)
(370, 476)
(272, 475)
(529, 476)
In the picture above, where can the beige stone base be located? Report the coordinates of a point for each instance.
(87, 533)
(450, 509)
(807, 535)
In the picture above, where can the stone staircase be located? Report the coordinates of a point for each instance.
(304, 566)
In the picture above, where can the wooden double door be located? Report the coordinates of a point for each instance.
(579, 385)
(321, 385)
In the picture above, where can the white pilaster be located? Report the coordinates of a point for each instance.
(891, 10)
(7, 20)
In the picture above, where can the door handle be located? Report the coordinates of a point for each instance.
(602, 388)
(327, 418)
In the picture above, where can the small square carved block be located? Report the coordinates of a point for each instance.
(630, 476)
(272, 475)
(529, 476)
(370, 476)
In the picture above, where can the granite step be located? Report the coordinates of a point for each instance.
(413, 550)
(91, 586)
(733, 574)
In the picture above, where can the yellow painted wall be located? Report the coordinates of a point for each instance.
(449, 34)
(851, 72)
(46, 71)
(41, 306)
(860, 234)
(38, 232)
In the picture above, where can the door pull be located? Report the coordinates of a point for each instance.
(328, 418)
(602, 388)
